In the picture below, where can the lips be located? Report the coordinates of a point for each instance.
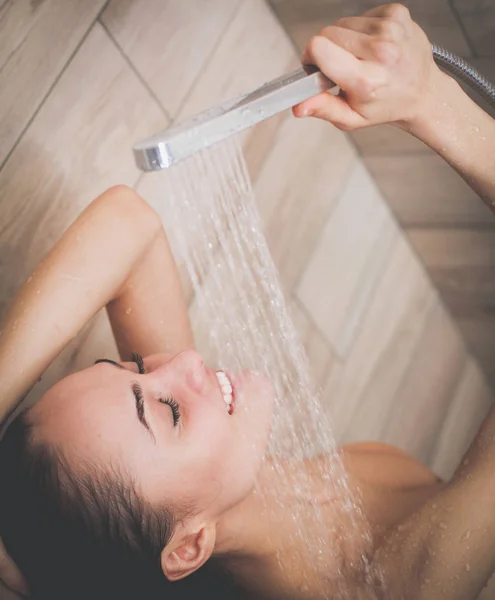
(226, 388)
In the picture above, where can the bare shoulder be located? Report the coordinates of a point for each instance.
(383, 464)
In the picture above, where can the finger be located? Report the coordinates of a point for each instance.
(395, 11)
(330, 108)
(340, 66)
(387, 29)
(368, 25)
(361, 45)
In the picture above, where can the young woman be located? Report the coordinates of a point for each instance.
(136, 479)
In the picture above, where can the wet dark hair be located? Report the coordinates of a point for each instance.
(84, 531)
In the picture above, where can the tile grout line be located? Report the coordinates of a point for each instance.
(333, 207)
(428, 226)
(328, 344)
(188, 94)
(462, 27)
(136, 72)
(53, 85)
(295, 47)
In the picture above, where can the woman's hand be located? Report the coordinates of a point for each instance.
(382, 62)
(10, 574)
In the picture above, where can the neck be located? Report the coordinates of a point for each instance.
(273, 527)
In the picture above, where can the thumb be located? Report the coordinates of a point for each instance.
(330, 108)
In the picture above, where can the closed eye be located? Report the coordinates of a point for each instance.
(174, 407)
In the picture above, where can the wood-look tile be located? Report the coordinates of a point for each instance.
(318, 351)
(353, 250)
(470, 404)
(238, 66)
(478, 18)
(466, 291)
(479, 335)
(387, 139)
(169, 43)
(363, 388)
(425, 190)
(32, 57)
(253, 50)
(305, 18)
(425, 393)
(78, 145)
(454, 247)
(296, 188)
(461, 263)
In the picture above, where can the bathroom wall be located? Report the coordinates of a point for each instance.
(384, 350)
(452, 233)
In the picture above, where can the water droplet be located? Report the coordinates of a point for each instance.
(29, 279)
(442, 525)
(128, 311)
(468, 568)
(466, 535)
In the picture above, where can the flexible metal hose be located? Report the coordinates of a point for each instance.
(463, 71)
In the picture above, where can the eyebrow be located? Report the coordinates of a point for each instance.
(138, 395)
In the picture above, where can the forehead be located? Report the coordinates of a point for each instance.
(91, 411)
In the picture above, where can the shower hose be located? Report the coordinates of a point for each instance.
(463, 71)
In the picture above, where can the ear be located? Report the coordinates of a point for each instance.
(188, 553)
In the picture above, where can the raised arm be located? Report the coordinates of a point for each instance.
(383, 62)
(115, 254)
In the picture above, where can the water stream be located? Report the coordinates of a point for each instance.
(241, 321)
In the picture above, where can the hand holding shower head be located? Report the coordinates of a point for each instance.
(207, 128)
(180, 141)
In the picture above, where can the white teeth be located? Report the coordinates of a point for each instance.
(226, 388)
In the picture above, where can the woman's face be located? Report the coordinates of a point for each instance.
(113, 415)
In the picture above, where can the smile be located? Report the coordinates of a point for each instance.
(227, 391)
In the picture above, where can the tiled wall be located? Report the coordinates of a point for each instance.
(449, 228)
(390, 361)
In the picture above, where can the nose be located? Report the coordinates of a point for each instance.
(190, 364)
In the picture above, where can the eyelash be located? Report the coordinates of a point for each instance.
(138, 359)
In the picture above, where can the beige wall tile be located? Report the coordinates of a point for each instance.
(478, 17)
(479, 334)
(319, 353)
(253, 50)
(304, 18)
(31, 56)
(78, 145)
(425, 393)
(470, 404)
(454, 247)
(341, 276)
(461, 263)
(296, 188)
(363, 388)
(169, 43)
(423, 189)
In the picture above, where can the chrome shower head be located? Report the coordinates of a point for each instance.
(168, 147)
